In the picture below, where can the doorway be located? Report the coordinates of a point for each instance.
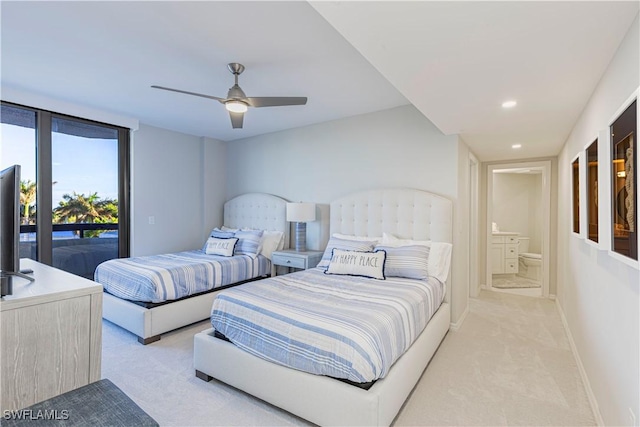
(518, 228)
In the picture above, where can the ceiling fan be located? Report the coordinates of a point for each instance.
(237, 102)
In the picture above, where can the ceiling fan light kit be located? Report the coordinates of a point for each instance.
(236, 106)
(237, 103)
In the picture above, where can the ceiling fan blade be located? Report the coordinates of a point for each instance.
(221, 100)
(236, 119)
(276, 101)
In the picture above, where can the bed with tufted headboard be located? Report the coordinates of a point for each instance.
(405, 213)
(148, 321)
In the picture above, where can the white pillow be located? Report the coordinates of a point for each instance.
(272, 241)
(354, 263)
(220, 246)
(439, 254)
(225, 228)
(356, 238)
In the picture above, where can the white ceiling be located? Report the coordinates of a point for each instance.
(455, 61)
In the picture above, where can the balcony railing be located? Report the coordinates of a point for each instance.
(76, 255)
(81, 227)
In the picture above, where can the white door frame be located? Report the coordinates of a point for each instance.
(474, 182)
(545, 166)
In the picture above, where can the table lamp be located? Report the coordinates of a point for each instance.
(301, 213)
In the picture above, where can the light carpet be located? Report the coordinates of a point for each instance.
(509, 364)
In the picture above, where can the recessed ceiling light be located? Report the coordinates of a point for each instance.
(516, 146)
(509, 104)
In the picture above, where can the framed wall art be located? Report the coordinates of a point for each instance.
(624, 203)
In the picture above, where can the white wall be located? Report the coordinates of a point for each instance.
(318, 163)
(517, 205)
(171, 183)
(600, 295)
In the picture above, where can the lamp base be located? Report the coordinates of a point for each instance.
(301, 237)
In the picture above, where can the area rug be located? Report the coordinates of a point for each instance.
(514, 282)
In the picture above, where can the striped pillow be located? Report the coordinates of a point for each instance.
(249, 243)
(345, 245)
(406, 261)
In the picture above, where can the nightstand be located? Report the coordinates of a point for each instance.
(294, 259)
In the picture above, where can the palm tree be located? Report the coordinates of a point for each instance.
(28, 200)
(85, 209)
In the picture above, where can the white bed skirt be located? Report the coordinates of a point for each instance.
(319, 399)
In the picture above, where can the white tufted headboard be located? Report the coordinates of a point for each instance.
(258, 210)
(406, 213)
(403, 212)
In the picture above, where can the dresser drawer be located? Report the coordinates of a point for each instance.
(511, 240)
(511, 266)
(288, 261)
(511, 251)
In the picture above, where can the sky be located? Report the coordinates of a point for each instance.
(83, 165)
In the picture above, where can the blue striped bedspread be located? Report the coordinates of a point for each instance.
(159, 278)
(340, 326)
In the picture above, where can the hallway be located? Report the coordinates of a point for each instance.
(509, 364)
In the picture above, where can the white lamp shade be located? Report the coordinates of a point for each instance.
(301, 212)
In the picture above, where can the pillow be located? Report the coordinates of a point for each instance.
(406, 261)
(348, 245)
(249, 242)
(391, 240)
(439, 254)
(216, 232)
(355, 263)
(220, 246)
(225, 228)
(272, 241)
(358, 238)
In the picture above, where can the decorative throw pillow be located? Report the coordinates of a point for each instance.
(354, 263)
(220, 246)
(347, 245)
(249, 242)
(216, 232)
(406, 261)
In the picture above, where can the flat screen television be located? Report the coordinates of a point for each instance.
(10, 229)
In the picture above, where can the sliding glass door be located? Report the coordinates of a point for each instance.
(80, 170)
(18, 146)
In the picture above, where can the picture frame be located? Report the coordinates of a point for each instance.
(591, 187)
(575, 196)
(623, 177)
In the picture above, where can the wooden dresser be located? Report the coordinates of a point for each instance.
(51, 338)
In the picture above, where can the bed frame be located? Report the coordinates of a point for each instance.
(253, 210)
(405, 213)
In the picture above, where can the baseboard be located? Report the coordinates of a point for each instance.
(552, 297)
(455, 326)
(583, 373)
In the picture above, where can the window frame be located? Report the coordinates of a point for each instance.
(44, 223)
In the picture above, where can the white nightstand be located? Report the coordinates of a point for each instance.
(294, 259)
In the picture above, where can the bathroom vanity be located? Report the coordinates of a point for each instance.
(504, 252)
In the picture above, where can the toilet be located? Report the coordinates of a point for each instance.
(530, 264)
